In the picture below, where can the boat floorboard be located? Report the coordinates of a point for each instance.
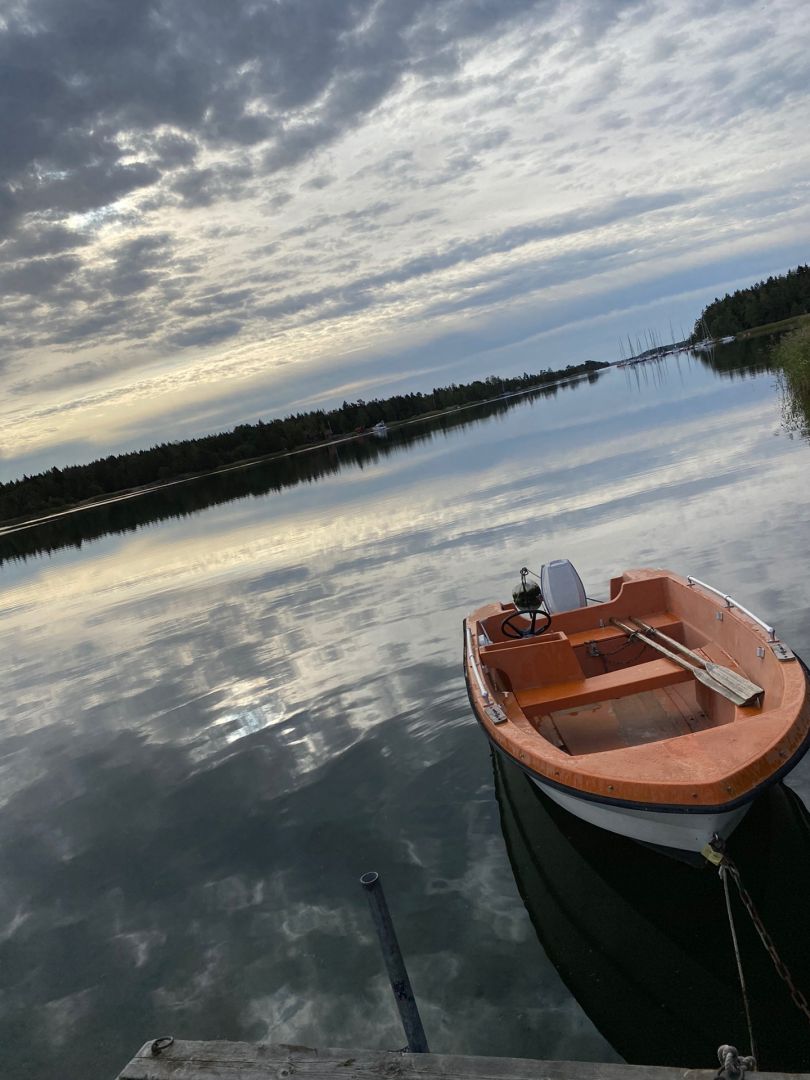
(664, 713)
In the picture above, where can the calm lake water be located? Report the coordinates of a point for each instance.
(215, 723)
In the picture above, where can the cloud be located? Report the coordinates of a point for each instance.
(467, 254)
(101, 104)
(215, 302)
(84, 371)
(201, 187)
(205, 332)
(317, 183)
(76, 75)
(37, 275)
(41, 238)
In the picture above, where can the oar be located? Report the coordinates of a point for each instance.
(724, 675)
(701, 675)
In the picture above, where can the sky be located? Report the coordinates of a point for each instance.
(212, 213)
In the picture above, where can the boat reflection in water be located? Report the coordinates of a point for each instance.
(642, 940)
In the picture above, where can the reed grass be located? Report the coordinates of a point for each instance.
(791, 354)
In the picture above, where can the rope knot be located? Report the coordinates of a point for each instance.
(732, 1066)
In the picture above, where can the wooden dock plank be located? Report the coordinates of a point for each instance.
(185, 1060)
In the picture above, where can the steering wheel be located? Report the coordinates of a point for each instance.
(510, 630)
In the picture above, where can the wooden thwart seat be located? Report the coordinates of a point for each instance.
(613, 684)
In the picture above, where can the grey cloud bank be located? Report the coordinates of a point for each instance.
(206, 207)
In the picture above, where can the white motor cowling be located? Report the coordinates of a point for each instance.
(561, 586)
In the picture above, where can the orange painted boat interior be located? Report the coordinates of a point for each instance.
(591, 710)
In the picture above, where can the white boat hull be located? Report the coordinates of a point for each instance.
(685, 832)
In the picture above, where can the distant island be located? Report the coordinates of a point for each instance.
(779, 305)
(767, 305)
(141, 470)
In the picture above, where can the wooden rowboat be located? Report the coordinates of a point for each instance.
(633, 713)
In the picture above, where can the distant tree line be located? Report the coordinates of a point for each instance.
(255, 481)
(57, 488)
(766, 302)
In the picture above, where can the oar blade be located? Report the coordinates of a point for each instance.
(747, 691)
(739, 689)
(724, 691)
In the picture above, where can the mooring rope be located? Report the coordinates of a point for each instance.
(723, 870)
(732, 1066)
(715, 853)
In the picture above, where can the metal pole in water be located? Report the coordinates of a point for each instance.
(398, 976)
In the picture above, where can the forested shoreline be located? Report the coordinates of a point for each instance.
(58, 488)
(771, 301)
(253, 480)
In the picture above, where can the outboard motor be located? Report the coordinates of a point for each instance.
(561, 586)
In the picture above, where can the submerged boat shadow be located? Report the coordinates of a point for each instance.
(642, 939)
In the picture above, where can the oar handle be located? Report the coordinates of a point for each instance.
(652, 630)
(660, 648)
